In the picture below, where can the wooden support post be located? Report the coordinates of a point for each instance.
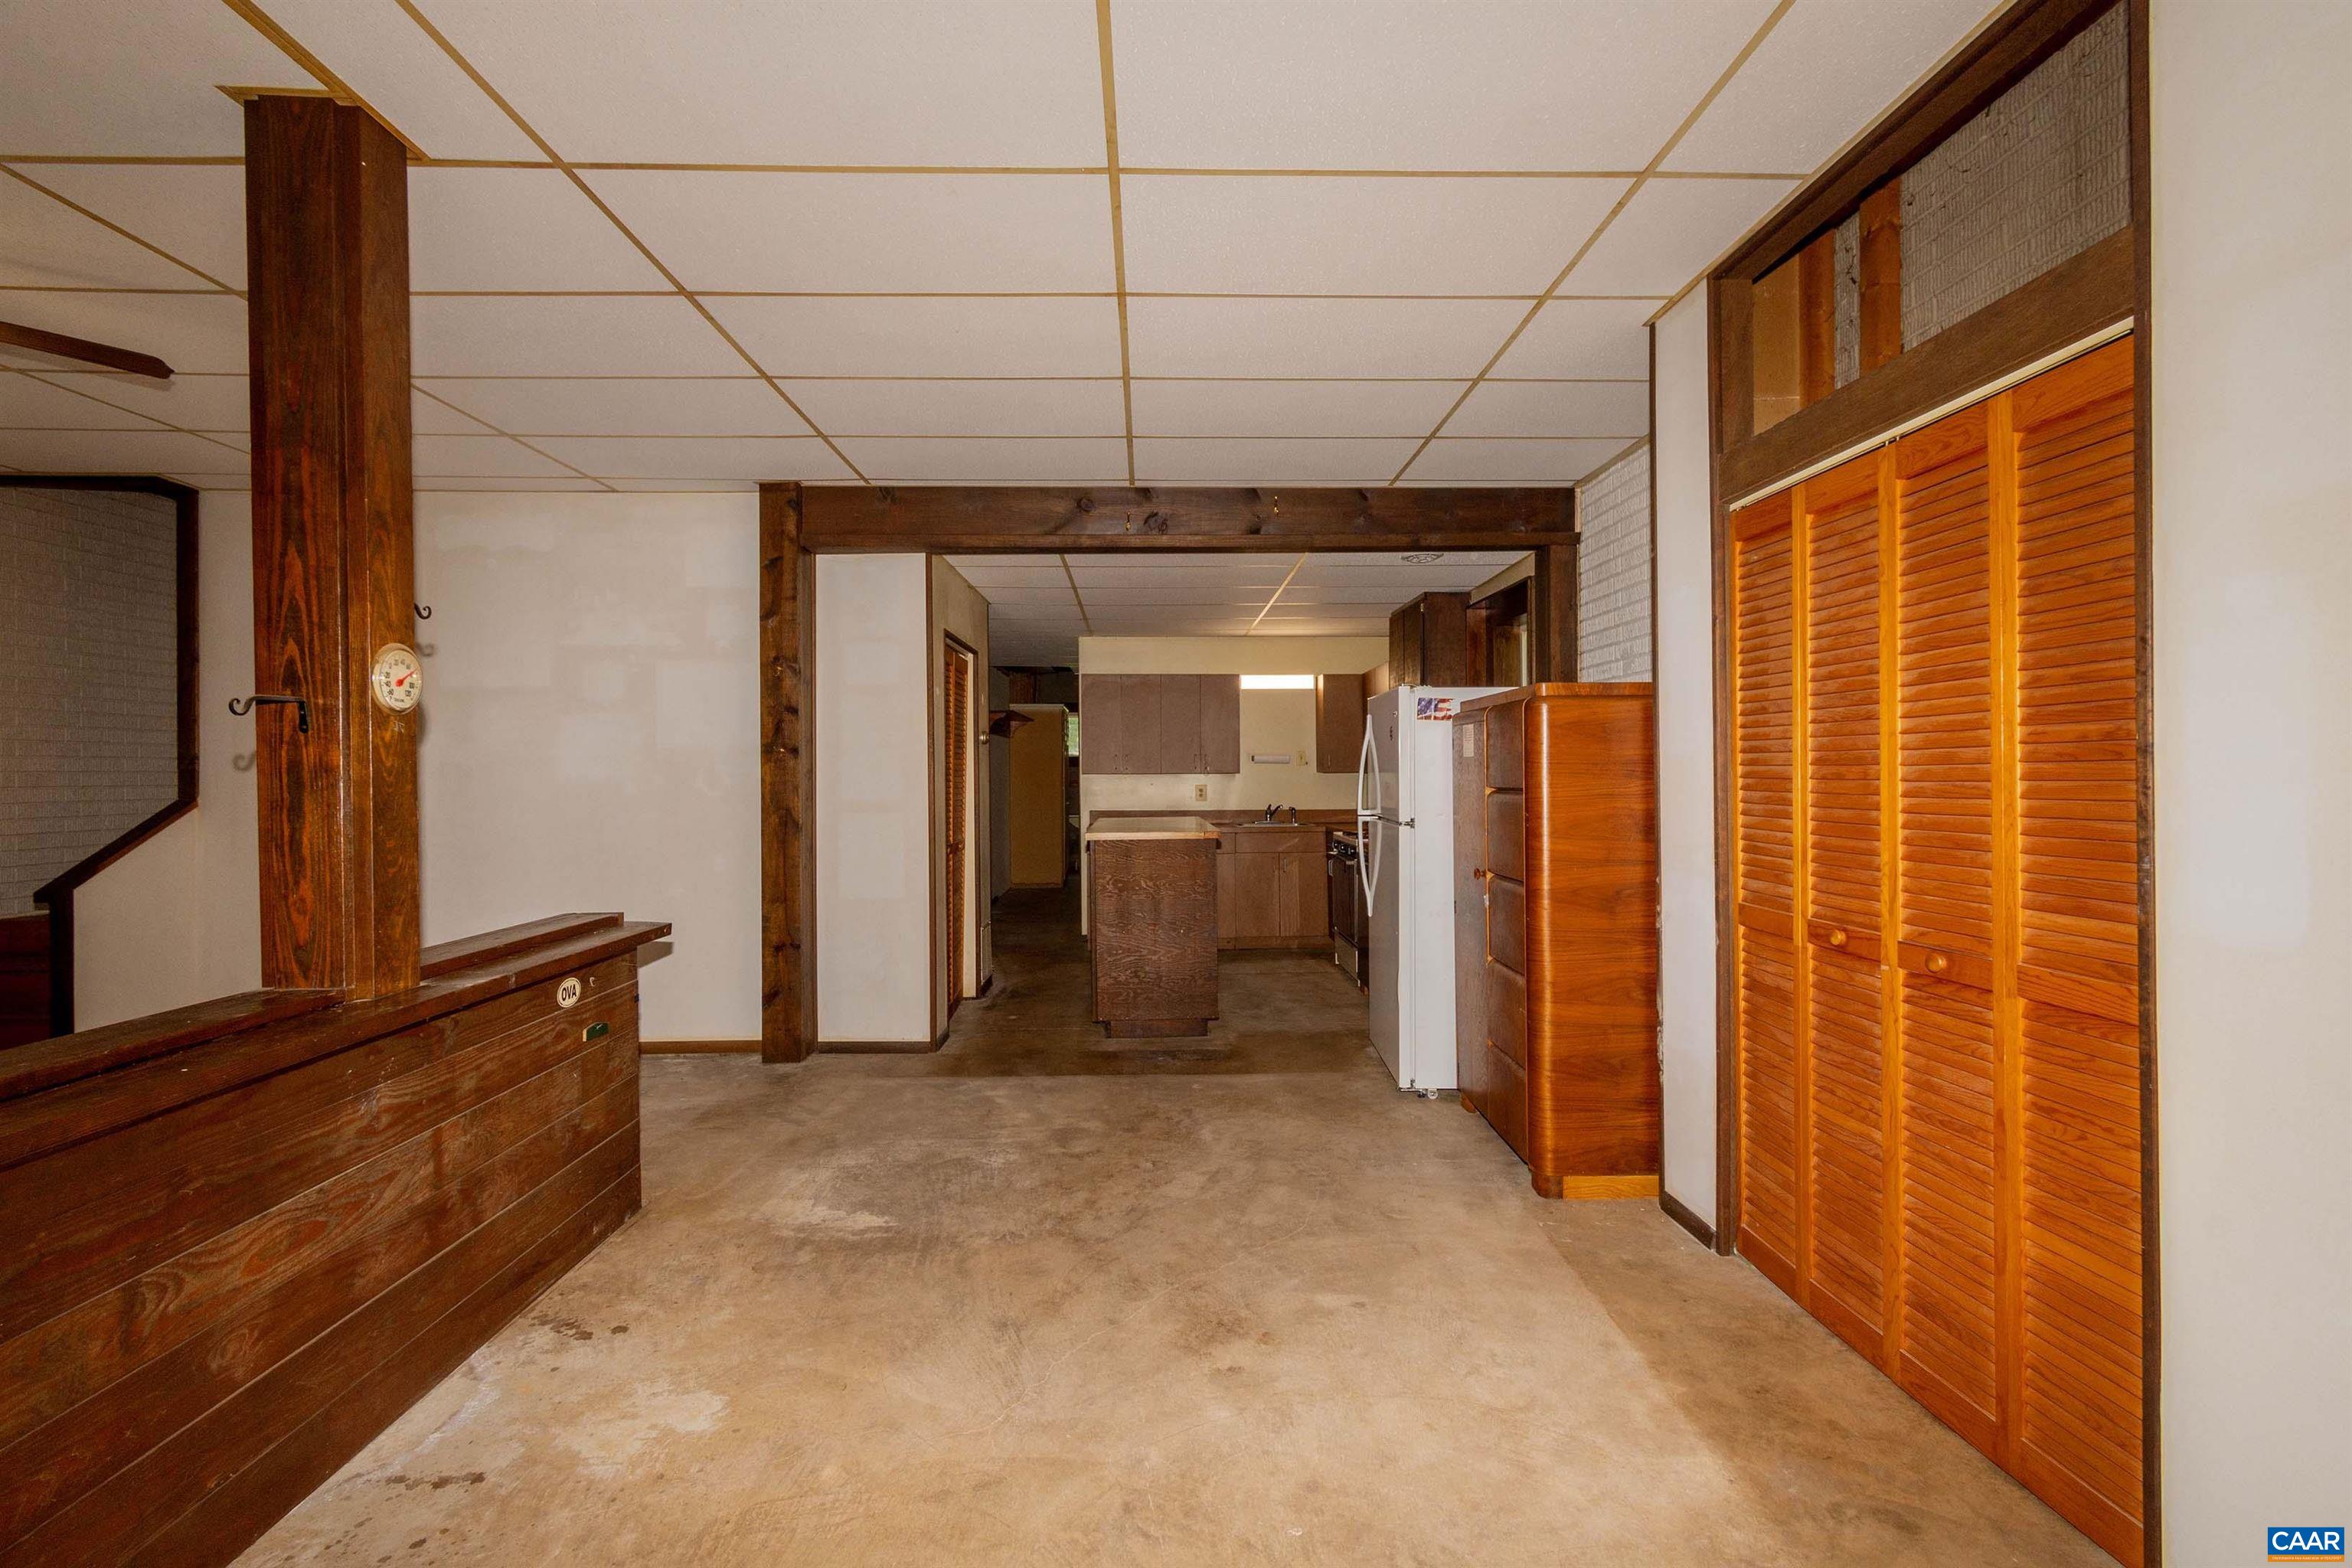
(1817, 321)
(1551, 613)
(326, 206)
(1882, 275)
(787, 779)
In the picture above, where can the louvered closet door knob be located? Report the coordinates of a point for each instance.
(1837, 936)
(1938, 964)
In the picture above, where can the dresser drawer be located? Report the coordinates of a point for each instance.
(1507, 1011)
(1507, 922)
(1506, 747)
(1507, 834)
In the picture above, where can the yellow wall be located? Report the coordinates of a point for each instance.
(1039, 816)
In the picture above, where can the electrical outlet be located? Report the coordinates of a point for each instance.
(1199, 791)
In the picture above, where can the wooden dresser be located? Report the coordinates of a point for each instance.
(1557, 943)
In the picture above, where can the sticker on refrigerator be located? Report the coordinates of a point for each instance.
(1432, 706)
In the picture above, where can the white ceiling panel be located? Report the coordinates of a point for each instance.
(1291, 407)
(515, 228)
(1582, 338)
(1332, 461)
(1670, 232)
(1501, 462)
(964, 408)
(698, 457)
(1024, 462)
(190, 402)
(1316, 337)
(796, 82)
(224, 482)
(1822, 74)
(491, 336)
(186, 332)
(132, 77)
(736, 487)
(32, 402)
(429, 416)
(1475, 84)
(556, 481)
(1237, 234)
(45, 244)
(1474, 565)
(1032, 596)
(649, 406)
(114, 452)
(479, 457)
(1023, 571)
(194, 211)
(1601, 408)
(732, 230)
(926, 337)
(404, 76)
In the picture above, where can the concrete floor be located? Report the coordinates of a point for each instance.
(1025, 1301)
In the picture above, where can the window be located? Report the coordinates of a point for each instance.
(1277, 683)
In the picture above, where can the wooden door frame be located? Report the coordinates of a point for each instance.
(968, 950)
(1977, 357)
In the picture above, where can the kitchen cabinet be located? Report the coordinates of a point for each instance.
(1160, 724)
(1339, 722)
(1270, 885)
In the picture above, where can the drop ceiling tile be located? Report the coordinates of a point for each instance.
(1596, 84)
(1316, 337)
(1498, 462)
(429, 416)
(31, 403)
(1022, 573)
(1190, 566)
(226, 483)
(735, 486)
(99, 90)
(405, 76)
(963, 407)
(753, 457)
(1292, 408)
(926, 337)
(50, 246)
(732, 230)
(560, 481)
(478, 457)
(1670, 232)
(114, 452)
(1606, 338)
(1020, 462)
(190, 402)
(515, 228)
(649, 406)
(187, 331)
(796, 82)
(1821, 75)
(1027, 595)
(461, 336)
(1601, 409)
(1235, 234)
(1336, 461)
(195, 211)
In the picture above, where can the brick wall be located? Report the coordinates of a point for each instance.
(1612, 572)
(88, 704)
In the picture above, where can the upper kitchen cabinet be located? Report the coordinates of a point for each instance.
(1148, 724)
(1339, 722)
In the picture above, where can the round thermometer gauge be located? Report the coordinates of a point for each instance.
(398, 677)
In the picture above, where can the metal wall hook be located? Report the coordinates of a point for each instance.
(241, 706)
(424, 612)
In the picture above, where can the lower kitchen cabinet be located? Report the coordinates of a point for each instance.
(1270, 887)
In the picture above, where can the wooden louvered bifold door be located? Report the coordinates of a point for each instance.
(1936, 874)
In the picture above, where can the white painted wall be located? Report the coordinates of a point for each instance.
(2252, 141)
(874, 904)
(591, 723)
(1686, 696)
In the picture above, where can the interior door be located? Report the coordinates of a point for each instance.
(956, 672)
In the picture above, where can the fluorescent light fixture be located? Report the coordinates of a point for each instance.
(1277, 683)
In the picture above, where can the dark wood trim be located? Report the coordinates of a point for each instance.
(2016, 42)
(945, 519)
(2078, 297)
(699, 1048)
(1678, 1212)
(975, 752)
(57, 894)
(1552, 612)
(936, 1010)
(1666, 1107)
(879, 1047)
(787, 779)
(16, 335)
(1729, 407)
(2144, 658)
(448, 957)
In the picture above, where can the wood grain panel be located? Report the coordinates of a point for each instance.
(787, 781)
(1221, 725)
(1152, 931)
(1507, 833)
(1339, 722)
(1179, 749)
(1506, 745)
(1469, 764)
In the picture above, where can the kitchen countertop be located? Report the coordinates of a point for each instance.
(1155, 827)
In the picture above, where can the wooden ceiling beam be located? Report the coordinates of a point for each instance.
(968, 519)
(16, 335)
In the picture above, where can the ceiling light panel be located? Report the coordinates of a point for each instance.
(1491, 462)
(1823, 73)
(1618, 410)
(404, 76)
(1670, 232)
(186, 332)
(84, 79)
(1473, 84)
(732, 230)
(460, 335)
(1018, 462)
(796, 82)
(515, 230)
(702, 457)
(964, 408)
(837, 337)
(655, 406)
(1316, 337)
(1291, 407)
(1232, 235)
(1606, 338)
(1339, 460)
(193, 212)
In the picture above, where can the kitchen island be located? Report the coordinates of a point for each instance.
(1152, 925)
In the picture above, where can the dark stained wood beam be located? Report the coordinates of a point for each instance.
(334, 550)
(1882, 276)
(16, 335)
(1551, 613)
(960, 518)
(787, 779)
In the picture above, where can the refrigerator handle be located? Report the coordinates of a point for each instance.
(1369, 839)
(1367, 770)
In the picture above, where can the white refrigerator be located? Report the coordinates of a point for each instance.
(1404, 813)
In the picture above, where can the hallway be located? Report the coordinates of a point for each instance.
(1025, 1300)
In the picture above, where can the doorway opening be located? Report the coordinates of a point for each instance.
(957, 670)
